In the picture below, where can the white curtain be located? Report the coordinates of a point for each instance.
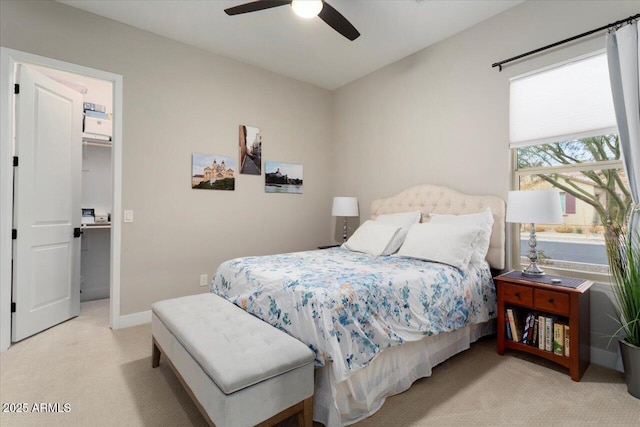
(623, 58)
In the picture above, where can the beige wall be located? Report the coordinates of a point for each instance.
(441, 116)
(179, 100)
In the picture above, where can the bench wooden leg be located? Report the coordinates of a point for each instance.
(155, 355)
(305, 418)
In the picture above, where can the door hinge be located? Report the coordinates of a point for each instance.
(77, 232)
(13, 307)
(16, 88)
(14, 234)
(15, 161)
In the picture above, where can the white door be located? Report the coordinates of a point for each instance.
(46, 255)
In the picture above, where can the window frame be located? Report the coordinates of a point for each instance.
(514, 229)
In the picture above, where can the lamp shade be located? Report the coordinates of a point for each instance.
(345, 206)
(534, 206)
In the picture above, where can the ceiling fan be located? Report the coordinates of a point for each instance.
(306, 9)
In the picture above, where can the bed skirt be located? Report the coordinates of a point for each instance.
(391, 372)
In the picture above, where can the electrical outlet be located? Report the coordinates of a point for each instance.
(203, 280)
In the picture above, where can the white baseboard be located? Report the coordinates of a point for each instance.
(133, 319)
(608, 359)
(93, 294)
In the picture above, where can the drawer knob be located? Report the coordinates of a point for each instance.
(550, 300)
(517, 294)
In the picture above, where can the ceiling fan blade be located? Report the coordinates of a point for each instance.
(255, 6)
(338, 22)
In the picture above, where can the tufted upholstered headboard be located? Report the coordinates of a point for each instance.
(442, 200)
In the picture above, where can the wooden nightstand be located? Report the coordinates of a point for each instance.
(328, 246)
(568, 302)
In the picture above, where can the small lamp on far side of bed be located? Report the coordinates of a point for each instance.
(534, 206)
(345, 207)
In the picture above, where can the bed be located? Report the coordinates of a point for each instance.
(375, 323)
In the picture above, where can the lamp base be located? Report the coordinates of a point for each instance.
(533, 270)
(344, 230)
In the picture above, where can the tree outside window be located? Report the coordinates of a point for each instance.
(589, 174)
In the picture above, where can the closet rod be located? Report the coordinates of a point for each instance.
(570, 39)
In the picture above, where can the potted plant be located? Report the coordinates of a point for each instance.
(624, 262)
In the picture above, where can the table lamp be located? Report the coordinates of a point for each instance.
(534, 206)
(345, 207)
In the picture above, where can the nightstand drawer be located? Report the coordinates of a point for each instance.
(517, 294)
(553, 302)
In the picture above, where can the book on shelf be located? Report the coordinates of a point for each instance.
(507, 326)
(566, 340)
(516, 334)
(558, 338)
(541, 332)
(534, 320)
(530, 329)
(548, 333)
(526, 333)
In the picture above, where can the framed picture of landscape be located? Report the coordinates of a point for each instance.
(212, 172)
(283, 178)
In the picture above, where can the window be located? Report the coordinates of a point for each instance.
(567, 203)
(563, 135)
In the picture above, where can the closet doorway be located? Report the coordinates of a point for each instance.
(65, 193)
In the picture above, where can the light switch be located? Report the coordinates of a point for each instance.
(128, 216)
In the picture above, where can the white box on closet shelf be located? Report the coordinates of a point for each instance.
(98, 126)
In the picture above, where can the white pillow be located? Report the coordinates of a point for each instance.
(445, 243)
(404, 220)
(373, 238)
(484, 220)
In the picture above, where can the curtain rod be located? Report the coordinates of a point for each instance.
(570, 39)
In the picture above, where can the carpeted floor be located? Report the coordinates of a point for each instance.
(106, 379)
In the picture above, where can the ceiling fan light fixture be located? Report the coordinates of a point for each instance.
(306, 8)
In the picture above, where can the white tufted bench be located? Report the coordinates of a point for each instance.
(239, 370)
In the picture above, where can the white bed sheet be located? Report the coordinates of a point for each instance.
(391, 372)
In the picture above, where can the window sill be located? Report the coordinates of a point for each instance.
(602, 278)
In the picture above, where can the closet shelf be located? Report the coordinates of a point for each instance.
(94, 226)
(96, 142)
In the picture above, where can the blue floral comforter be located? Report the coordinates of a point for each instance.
(349, 306)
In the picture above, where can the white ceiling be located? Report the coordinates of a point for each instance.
(308, 50)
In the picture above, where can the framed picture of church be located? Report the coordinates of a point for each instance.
(212, 172)
(282, 178)
(250, 142)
